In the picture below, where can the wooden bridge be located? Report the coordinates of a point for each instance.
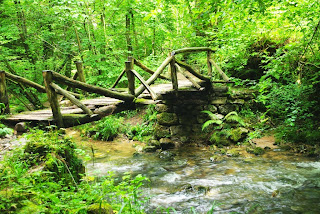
(113, 100)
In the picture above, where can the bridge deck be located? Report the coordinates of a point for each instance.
(96, 105)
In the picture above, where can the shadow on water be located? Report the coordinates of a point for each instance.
(277, 182)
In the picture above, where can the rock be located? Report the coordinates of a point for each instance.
(219, 100)
(20, 127)
(238, 101)
(166, 155)
(238, 134)
(166, 143)
(212, 108)
(166, 118)
(256, 150)
(155, 143)
(105, 110)
(226, 109)
(216, 158)
(233, 152)
(162, 108)
(179, 130)
(100, 208)
(161, 131)
(150, 149)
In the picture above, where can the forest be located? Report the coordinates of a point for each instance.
(268, 46)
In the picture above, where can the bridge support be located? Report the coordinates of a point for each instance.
(52, 98)
(3, 92)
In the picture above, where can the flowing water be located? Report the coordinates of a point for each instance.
(276, 182)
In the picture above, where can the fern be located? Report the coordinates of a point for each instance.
(233, 117)
(214, 120)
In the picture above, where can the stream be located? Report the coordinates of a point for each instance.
(185, 178)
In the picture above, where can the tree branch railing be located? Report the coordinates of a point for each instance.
(174, 67)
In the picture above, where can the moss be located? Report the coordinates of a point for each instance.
(57, 154)
(238, 134)
(256, 150)
(220, 139)
(166, 118)
(100, 208)
(161, 131)
(234, 152)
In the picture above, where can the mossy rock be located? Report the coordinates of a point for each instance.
(220, 139)
(234, 152)
(166, 118)
(161, 131)
(238, 134)
(57, 154)
(256, 150)
(150, 149)
(97, 208)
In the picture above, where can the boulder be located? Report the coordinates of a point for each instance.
(166, 143)
(166, 118)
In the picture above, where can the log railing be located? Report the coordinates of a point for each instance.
(25, 82)
(174, 67)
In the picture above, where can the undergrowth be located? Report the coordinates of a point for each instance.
(29, 185)
(111, 126)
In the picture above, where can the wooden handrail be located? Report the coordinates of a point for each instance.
(193, 72)
(186, 75)
(140, 78)
(71, 98)
(151, 80)
(148, 70)
(90, 88)
(190, 50)
(223, 75)
(25, 81)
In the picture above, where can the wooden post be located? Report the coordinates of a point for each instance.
(174, 77)
(52, 98)
(80, 71)
(3, 92)
(130, 75)
(209, 63)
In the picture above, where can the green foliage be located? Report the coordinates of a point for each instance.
(26, 188)
(105, 129)
(5, 131)
(225, 130)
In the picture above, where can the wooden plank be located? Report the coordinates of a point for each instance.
(223, 75)
(3, 92)
(140, 78)
(72, 99)
(91, 88)
(52, 97)
(154, 76)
